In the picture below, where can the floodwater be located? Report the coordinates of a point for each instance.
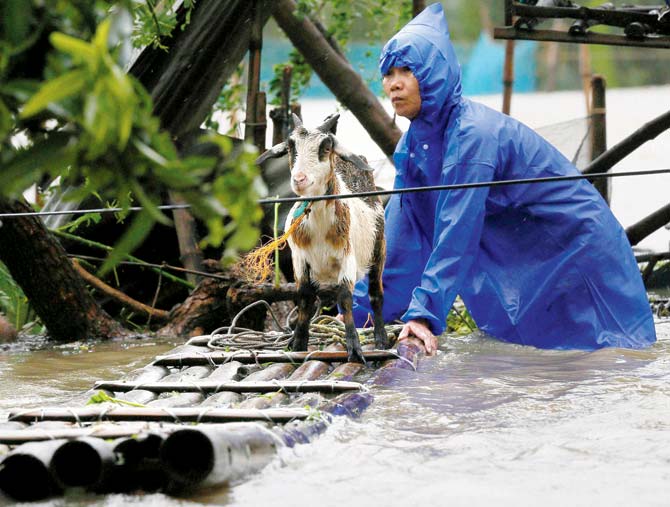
(482, 422)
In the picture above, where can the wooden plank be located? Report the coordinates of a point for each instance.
(588, 38)
(237, 387)
(268, 357)
(150, 414)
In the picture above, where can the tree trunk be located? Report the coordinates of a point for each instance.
(215, 303)
(186, 80)
(338, 75)
(39, 264)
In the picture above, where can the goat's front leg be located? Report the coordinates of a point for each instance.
(376, 290)
(306, 309)
(345, 300)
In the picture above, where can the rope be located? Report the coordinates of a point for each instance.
(257, 265)
(324, 330)
(409, 190)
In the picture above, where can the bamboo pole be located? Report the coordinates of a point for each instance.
(144, 396)
(24, 472)
(140, 468)
(587, 76)
(214, 455)
(224, 373)
(190, 253)
(351, 405)
(648, 225)
(280, 115)
(103, 429)
(254, 131)
(170, 399)
(85, 462)
(508, 77)
(177, 414)
(599, 131)
(273, 372)
(622, 149)
(267, 357)
(238, 387)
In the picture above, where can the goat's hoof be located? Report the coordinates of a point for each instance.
(297, 344)
(381, 340)
(355, 355)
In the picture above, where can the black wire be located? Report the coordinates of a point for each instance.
(84, 211)
(461, 186)
(373, 193)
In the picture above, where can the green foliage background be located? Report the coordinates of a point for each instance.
(83, 119)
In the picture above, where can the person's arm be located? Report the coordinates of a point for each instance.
(459, 218)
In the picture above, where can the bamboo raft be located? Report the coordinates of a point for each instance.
(193, 418)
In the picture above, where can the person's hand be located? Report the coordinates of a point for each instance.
(419, 328)
(340, 317)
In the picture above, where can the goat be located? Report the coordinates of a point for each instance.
(341, 239)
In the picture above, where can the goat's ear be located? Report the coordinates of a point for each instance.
(329, 125)
(297, 122)
(276, 151)
(345, 154)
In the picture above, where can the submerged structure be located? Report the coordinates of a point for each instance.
(206, 414)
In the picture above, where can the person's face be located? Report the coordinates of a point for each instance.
(403, 89)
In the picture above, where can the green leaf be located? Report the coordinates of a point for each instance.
(101, 35)
(77, 48)
(138, 230)
(55, 90)
(103, 397)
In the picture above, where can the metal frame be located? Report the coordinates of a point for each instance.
(528, 15)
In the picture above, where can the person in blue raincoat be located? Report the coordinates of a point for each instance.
(542, 264)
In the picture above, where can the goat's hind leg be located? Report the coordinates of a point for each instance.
(376, 290)
(345, 300)
(306, 309)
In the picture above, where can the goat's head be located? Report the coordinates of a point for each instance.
(310, 155)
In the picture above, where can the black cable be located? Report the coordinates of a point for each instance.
(373, 193)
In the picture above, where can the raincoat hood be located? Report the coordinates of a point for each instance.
(425, 47)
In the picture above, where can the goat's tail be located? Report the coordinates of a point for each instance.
(257, 266)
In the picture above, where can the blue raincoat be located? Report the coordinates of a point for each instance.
(543, 264)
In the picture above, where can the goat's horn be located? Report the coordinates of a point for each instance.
(297, 122)
(276, 151)
(329, 125)
(350, 157)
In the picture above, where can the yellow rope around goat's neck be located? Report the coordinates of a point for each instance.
(257, 265)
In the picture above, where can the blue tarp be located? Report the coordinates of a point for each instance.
(482, 66)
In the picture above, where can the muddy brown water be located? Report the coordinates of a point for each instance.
(481, 423)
